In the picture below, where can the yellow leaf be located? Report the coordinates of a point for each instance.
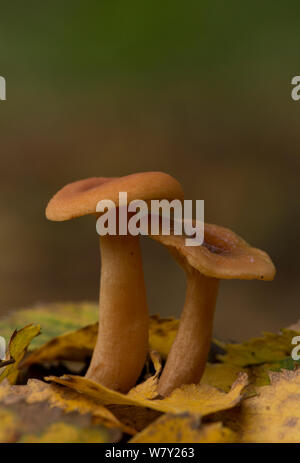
(61, 433)
(186, 428)
(78, 345)
(148, 389)
(162, 332)
(203, 399)
(267, 349)
(140, 417)
(221, 375)
(57, 319)
(8, 426)
(29, 410)
(273, 415)
(18, 345)
(199, 399)
(70, 401)
(75, 345)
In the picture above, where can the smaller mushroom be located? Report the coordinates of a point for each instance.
(223, 255)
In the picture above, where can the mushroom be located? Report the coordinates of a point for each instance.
(223, 255)
(122, 341)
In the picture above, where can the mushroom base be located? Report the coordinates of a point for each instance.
(188, 355)
(122, 342)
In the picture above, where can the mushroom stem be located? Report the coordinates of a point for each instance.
(186, 360)
(122, 342)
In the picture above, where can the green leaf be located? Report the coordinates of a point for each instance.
(55, 319)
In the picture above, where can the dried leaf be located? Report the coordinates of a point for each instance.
(75, 345)
(221, 375)
(60, 318)
(70, 401)
(8, 426)
(148, 389)
(162, 332)
(61, 433)
(273, 415)
(286, 364)
(197, 399)
(186, 428)
(29, 413)
(78, 345)
(140, 417)
(133, 417)
(18, 345)
(203, 399)
(269, 348)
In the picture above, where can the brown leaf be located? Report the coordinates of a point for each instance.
(70, 401)
(185, 428)
(28, 412)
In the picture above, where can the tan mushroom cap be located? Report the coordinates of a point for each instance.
(81, 198)
(223, 255)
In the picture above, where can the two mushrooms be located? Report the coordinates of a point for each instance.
(122, 342)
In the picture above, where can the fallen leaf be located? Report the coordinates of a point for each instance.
(70, 401)
(79, 344)
(286, 364)
(76, 345)
(199, 399)
(270, 348)
(140, 417)
(18, 345)
(273, 415)
(148, 388)
(55, 319)
(134, 417)
(185, 428)
(28, 413)
(221, 375)
(62, 433)
(60, 318)
(8, 426)
(162, 332)
(203, 399)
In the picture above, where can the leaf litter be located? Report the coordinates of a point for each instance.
(248, 393)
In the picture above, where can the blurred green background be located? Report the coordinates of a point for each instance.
(199, 89)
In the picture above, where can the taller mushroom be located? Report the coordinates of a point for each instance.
(122, 342)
